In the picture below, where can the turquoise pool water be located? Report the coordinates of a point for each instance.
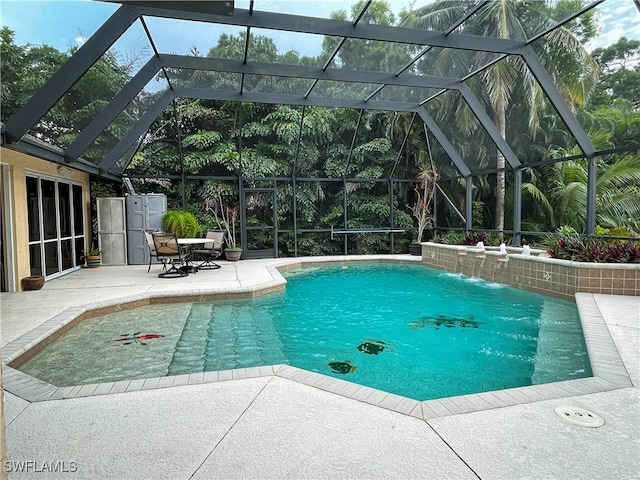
(405, 329)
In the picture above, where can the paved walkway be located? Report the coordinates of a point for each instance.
(274, 426)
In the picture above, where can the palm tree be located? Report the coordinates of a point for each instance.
(559, 191)
(569, 64)
(563, 192)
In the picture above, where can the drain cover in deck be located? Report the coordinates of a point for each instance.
(579, 416)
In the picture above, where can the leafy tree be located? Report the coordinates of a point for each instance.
(369, 55)
(24, 69)
(260, 142)
(623, 54)
(620, 64)
(617, 193)
(561, 52)
(584, 27)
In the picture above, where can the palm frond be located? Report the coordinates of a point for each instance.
(539, 197)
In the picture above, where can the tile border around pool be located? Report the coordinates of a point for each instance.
(609, 372)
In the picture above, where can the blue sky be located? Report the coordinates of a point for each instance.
(619, 18)
(62, 24)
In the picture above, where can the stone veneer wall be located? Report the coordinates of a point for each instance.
(556, 278)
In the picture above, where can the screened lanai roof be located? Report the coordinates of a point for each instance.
(165, 60)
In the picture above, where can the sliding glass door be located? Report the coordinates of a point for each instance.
(56, 225)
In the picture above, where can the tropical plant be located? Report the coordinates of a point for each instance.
(182, 223)
(614, 232)
(259, 141)
(422, 208)
(579, 248)
(473, 238)
(568, 63)
(225, 216)
(92, 251)
(452, 237)
(563, 188)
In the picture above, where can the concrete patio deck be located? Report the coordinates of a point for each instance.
(281, 424)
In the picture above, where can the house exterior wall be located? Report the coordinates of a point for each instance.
(19, 164)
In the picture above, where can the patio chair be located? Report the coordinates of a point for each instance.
(210, 250)
(167, 247)
(152, 249)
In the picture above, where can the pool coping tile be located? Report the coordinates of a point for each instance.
(61, 393)
(151, 383)
(347, 388)
(136, 385)
(609, 372)
(103, 389)
(406, 406)
(377, 397)
(362, 393)
(179, 380)
(211, 377)
(120, 386)
(224, 375)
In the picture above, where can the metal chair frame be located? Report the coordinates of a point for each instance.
(211, 250)
(152, 249)
(167, 247)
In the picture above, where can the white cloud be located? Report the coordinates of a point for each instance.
(616, 18)
(621, 10)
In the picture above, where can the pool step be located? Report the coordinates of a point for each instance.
(269, 341)
(189, 355)
(555, 358)
(238, 339)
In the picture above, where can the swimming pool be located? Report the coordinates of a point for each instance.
(406, 329)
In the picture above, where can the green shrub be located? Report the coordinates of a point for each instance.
(567, 230)
(577, 248)
(472, 238)
(478, 213)
(182, 223)
(493, 239)
(451, 238)
(620, 232)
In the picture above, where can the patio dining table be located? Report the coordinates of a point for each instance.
(190, 242)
